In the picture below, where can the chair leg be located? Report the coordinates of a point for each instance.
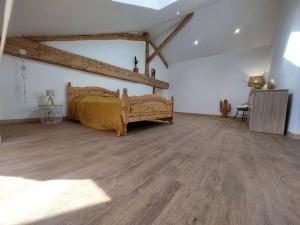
(236, 114)
(243, 115)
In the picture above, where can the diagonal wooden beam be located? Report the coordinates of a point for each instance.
(24, 48)
(104, 36)
(172, 35)
(159, 54)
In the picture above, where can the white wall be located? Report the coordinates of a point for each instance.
(286, 69)
(14, 104)
(199, 85)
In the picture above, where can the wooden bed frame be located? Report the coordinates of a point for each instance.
(135, 108)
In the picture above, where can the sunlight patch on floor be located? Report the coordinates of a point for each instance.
(36, 200)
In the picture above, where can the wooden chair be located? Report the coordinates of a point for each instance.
(244, 109)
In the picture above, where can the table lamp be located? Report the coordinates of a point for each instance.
(50, 94)
(255, 81)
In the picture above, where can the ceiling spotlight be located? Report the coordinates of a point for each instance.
(237, 31)
(177, 12)
(196, 42)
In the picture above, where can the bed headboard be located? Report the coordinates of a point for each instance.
(73, 92)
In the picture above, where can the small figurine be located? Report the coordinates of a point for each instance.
(153, 73)
(225, 108)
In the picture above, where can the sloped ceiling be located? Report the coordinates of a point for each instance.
(213, 24)
(37, 17)
(214, 28)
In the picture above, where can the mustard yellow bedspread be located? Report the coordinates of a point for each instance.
(102, 113)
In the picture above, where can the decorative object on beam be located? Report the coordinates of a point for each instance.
(105, 36)
(171, 36)
(136, 69)
(153, 75)
(46, 54)
(225, 108)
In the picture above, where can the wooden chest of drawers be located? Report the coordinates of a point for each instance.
(267, 111)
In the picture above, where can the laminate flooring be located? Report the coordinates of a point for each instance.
(198, 171)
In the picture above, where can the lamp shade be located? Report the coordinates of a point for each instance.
(49, 93)
(255, 81)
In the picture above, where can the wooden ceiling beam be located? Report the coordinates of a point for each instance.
(159, 54)
(104, 36)
(184, 22)
(24, 48)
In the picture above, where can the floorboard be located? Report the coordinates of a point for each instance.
(199, 171)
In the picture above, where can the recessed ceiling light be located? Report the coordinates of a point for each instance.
(196, 42)
(237, 31)
(177, 12)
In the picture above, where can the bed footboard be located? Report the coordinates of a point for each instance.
(147, 107)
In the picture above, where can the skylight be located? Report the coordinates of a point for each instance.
(152, 4)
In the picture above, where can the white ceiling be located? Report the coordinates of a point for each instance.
(213, 24)
(214, 28)
(36, 17)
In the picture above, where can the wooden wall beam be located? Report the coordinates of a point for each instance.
(46, 54)
(172, 35)
(162, 58)
(147, 54)
(105, 36)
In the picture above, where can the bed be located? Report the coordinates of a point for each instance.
(104, 109)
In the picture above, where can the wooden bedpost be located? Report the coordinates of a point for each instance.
(173, 112)
(124, 108)
(69, 97)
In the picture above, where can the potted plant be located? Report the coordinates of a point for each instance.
(136, 69)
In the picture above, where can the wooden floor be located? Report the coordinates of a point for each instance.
(198, 171)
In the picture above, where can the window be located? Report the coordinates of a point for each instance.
(152, 4)
(292, 52)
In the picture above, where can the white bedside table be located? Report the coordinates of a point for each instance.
(51, 114)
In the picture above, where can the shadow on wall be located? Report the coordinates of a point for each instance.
(289, 77)
(288, 113)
